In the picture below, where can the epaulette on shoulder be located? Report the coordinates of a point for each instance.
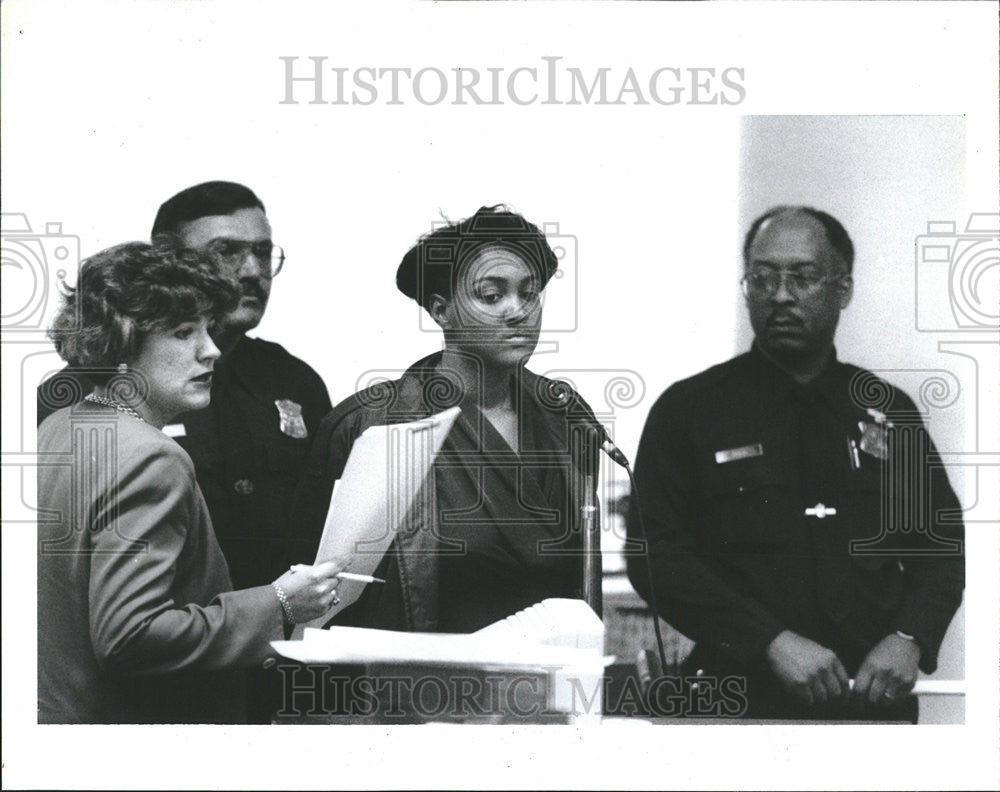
(869, 384)
(273, 358)
(692, 387)
(264, 348)
(375, 402)
(354, 403)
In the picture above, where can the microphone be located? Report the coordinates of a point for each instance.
(563, 392)
(615, 453)
(608, 447)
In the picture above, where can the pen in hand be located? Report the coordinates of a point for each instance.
(342, 575)
(359, 578)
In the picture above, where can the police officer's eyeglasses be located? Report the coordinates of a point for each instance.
(763, 283)
(233, 252)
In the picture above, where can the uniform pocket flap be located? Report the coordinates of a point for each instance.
(285, 453)
(739, 477)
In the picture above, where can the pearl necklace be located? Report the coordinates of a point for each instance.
(124, 408)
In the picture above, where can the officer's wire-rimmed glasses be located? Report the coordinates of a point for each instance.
(232, 253)
(764, 283)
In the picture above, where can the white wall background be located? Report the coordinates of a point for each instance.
(657, 218)
(110, 107)
(649, 197)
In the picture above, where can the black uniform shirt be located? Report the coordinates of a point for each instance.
(770, 505)
(248, 447)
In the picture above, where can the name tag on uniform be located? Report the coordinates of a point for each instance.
(292, 422)
(175, 430)
(743, 452)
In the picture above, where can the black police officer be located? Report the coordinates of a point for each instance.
(773, 542)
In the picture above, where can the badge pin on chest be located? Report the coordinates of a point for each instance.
(874, 438)
(292, 422)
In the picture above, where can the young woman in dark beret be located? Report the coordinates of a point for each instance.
(498, 525)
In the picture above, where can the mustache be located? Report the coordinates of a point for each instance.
(251, 287)
(784, 317)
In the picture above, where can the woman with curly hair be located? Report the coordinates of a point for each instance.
(137, 619)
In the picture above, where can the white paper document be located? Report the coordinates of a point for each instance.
(387, 467)
(555, 632)
(560, 638)
(555, 621)
(362, 645)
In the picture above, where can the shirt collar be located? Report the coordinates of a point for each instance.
(421, 393)
(239, 364)
(830, 386)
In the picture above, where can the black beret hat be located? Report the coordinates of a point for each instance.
(433, 264)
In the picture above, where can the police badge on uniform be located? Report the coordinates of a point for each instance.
(292, 423)
(873, 435)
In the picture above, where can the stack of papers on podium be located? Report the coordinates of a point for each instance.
(556, 622)
(553, 633)
(558, 640)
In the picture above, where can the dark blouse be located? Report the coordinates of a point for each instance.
(501, 516)
(502, 528)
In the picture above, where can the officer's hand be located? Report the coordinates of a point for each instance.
(311, 590)
(887, 674)
(808, 670)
